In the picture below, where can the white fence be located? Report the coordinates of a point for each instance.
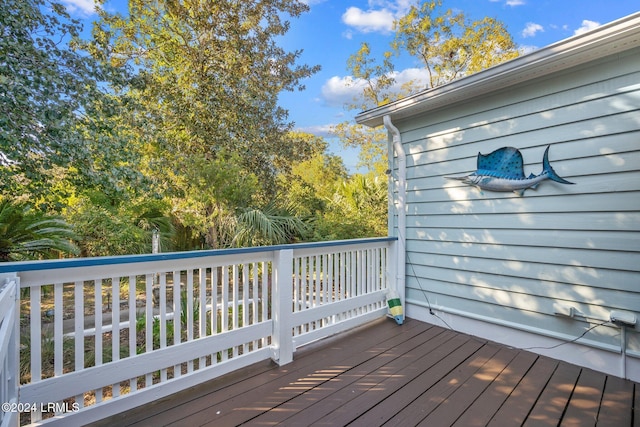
(102, 335)
(8, 351)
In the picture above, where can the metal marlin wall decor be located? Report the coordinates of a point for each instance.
(502, 170)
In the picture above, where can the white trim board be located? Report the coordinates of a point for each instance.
(604, 360)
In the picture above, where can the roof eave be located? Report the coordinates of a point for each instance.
(608, 39)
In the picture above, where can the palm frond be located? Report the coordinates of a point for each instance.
(27, 234)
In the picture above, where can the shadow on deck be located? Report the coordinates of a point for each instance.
(414, 374)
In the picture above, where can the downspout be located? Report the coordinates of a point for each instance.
(401, 207)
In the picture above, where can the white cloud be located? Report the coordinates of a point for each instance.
(511, 3)
(81, 7)
(378, 17)
(347, 34)
(586, 26)
(531, 29)
(369, 21)
(338, 91)
(325, 131)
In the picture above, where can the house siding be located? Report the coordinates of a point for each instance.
(512, 260)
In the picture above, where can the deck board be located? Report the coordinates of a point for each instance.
(584, 404)
(468, 392)
(552, 403)
(618, 395)
(486, 405)
(414, 374)
(518, 405)
(314, 405)
(428, 400)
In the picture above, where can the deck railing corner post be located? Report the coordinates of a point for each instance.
(9, 346)
(282, 339)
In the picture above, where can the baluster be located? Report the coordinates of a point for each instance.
(36, 341)
(115, 327)
(78, 302)
(36, 333)
(266, 295)
(97, 336)
(326, 286)
(58, 329)
(214, 301)
(202, 313)
(148, 333)
(133, 320)
(224, 308)
(245, 302)
(235, 301)
(190, 313)
(163, 319)
(177, 316)
(297, 285)
(313, 269)
(255, 299)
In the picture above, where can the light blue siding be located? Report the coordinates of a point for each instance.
(514, 259)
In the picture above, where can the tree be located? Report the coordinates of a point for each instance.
(276, 223)
(48, 87)
(448, 45)
(371, 142)
(312, 182)
(357, 208)
(28, 234)
(210, 73)
(104, 229)
(378, 78)
(211, 194)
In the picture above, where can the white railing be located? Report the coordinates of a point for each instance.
(8, 351)
(102, 335)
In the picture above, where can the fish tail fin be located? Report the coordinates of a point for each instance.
(546, 167)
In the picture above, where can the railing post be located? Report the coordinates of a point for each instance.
(281, 296)
(9, 347)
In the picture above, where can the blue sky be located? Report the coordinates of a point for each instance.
(334, 29)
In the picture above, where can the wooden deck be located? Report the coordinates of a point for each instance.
(414, 374)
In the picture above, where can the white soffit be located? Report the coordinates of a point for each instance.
(612, 38)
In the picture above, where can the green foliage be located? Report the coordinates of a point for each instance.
(28, 234)
(49, 90)
(121, 230)
(378, 78)
(47, 354)
(372, 144)
(274, 224)
(210, 194)
(166, 120)
(338, 206)
(312, 182)
(448, 45)
(208, 85)
(358, 208)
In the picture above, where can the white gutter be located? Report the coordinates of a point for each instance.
(401, 207)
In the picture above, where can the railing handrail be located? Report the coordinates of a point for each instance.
(20, 266)
(272, 300)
